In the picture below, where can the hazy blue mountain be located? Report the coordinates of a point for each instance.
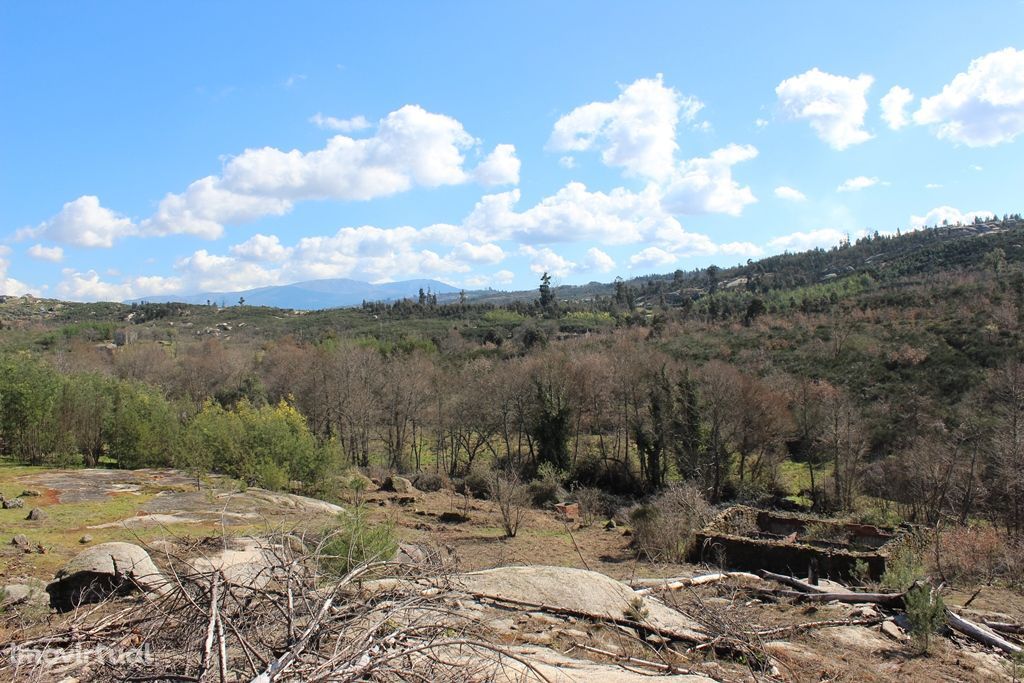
(315, 294)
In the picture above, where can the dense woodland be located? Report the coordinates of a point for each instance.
(883, 378)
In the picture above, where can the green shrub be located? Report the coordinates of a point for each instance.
(903, 568)
(356, 541)
(926, 613)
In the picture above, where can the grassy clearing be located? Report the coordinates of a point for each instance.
(65, 524)
(795, 477)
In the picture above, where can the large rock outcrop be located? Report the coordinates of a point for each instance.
(106, 569)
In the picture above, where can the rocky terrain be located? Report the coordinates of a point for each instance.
(225, 584)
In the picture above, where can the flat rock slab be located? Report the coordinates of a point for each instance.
(577, 590)
(173, 497)
(559, 668)
(91, 485)
(243, 562)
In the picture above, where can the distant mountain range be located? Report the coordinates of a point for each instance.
(314, 294)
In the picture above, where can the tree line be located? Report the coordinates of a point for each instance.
(619, 413)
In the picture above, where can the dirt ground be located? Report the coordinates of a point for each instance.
(144, 506)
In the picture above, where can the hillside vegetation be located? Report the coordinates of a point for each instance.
(881, 377)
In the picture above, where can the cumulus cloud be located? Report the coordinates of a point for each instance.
(790, 194)
(574, 213)
(595, 259)
(983, 106)
(544, 260)
(740, 249)
(52, 254)
(410, 148)
(894, 107)
(261, 248)
(356, 123)
(706, 185)
(8, 285)
(500, 167)
(801, 241)
(636, 131)
(478, 253)
(503, 277)
(89, 286)
(206, 207)
(83, 222)
(834, 106)
(652, 258)
(947, 215)
(856, 184)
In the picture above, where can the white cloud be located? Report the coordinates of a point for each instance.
(571, 214)
(790, 194)
(52, 254)
(504, 277)
(976, 168)
(83, 222)
(801, 241)
(8, 285)
(500, 167)
(636, 131)
(932, 186)
(859, 183)
(833, 105)
(595, 259)
(294, 79)
(478, 253)
(261, 248)
(544, 260)
(351, 125)
(983, 106)
(747, 249)
(87, 286)
(567, 162)
(651, 258)
(205, 207)
(894, 107)
(761, 123)
(706, 185)
(948, 215)
(411, 148)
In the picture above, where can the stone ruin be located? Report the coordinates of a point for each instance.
(746, 538)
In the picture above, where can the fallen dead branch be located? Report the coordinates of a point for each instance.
(980, 634)
(678, 583)
(801, 586)
(1004, 627)
(630, 659)
(895, 600)
(299, 624)
(809, 626)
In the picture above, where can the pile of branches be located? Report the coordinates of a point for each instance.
(293, 622)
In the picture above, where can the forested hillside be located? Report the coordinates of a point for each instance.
(882, 376)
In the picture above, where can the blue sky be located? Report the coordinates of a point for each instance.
(159, 148)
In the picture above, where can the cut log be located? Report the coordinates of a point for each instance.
(980, 633)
